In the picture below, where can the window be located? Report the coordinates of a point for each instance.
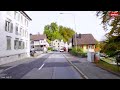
(26, 23)
(16, 29)
(20, 30)
(16, 43)
(92, 46)
(26, 33)
(87, 46)
(20, 44)
(8, 26)
(23, 45)
(15, 13)
(11, 27)
(17, 16)
(21, 19)
(26, 44)
(8, 43)
(23, 32)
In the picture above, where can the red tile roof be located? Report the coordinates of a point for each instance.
(37, 37)
(85, 39)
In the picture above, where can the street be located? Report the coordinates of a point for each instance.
(54, 65)
(49, 66)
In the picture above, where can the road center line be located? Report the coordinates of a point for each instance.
(41, 66)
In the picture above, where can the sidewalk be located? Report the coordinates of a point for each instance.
(90, 69)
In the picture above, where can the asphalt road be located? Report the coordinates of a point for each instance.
(49, 66)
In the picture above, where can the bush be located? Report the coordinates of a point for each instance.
(78, 52)
(84, 54)
(49, 48)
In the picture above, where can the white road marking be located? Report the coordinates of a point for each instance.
(41, 67)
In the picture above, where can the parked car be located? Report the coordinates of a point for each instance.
(32, 52)
(61, 50)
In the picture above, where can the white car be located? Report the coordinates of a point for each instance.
(61, 50)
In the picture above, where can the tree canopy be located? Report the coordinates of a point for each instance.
(53, 31)
(112, 25)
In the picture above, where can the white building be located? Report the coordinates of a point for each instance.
(38, 41)
(58, 44)
(14, 36)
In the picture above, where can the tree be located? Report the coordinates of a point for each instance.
(112, 43)
(66, 32)
(53, 31)
(108, 21)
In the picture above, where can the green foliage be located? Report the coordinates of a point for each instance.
(78, 52)
(108, 66)
(48, 41)
(49, 48)
(112, 43)
(66, 32)
(53, 31)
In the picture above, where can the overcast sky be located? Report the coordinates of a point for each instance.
(86, 21)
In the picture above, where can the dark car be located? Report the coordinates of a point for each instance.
(32, 52)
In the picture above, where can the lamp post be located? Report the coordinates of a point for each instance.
(75, 27)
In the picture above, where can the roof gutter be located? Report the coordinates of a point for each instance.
(25, 15)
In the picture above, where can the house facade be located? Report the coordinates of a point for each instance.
(38, 42)
(85, 41)
(58, 44)
(14, 36)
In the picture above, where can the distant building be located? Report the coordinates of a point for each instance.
(58, 44)
(14, 36)
(85, 41)
(38, 41)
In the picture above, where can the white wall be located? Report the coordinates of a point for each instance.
(3, 34)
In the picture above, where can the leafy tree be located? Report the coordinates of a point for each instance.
(66, 32)
(53, 31)
(112, 25)
(108, 21)
(48, 41)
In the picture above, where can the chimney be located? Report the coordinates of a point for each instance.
(30, 34)
(79, 35)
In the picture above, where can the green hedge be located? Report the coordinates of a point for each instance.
(78, 52)
(49, 48)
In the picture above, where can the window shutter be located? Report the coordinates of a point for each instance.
(14, 44)
(11, 29)
(5, 25)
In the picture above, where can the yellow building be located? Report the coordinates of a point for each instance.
(85, 41)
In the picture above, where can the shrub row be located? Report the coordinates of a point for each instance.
(79, 52)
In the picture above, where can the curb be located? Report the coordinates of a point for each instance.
(108, 70)
(83, 75)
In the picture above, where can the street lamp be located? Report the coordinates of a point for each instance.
(75, 27)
